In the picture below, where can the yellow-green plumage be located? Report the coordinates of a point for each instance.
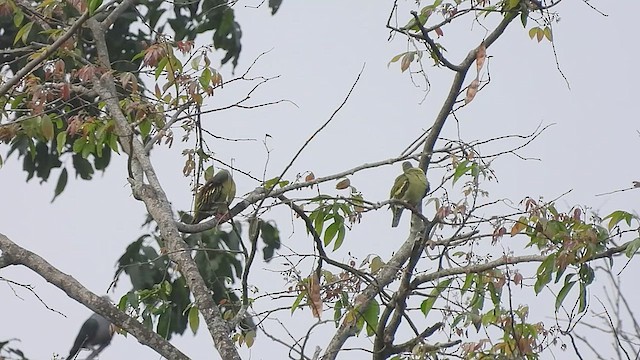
(215, 196)
(411, 186)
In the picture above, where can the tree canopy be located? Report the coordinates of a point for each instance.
(88, 81)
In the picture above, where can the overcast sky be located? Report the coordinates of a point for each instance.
(317, 49)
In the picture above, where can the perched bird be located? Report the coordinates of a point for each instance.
(95, 334)
(411, 186)
(214, 197)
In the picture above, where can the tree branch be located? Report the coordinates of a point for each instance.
(75, 290)
(31, 65)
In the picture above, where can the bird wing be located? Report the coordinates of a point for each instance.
(400, 186)
(214, 196)
(85, 336)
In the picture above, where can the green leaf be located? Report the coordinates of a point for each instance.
(113, 143)
(462, 168)
(586, 274)
(62, 183)
(82, 166)
(563, 293)
(548, 34)
(427, 304)
(467, 283)
(296, 303)
(78, 145)
(93, 6)
(396, 58)
(330, 233)
(17, 18)
(161, 65)
(337, 312)
(46, 126)
(205, 78)
(340, 239)
(544, 273)
(617, 216)
(23, 33)
(249, 338)
(61, 141)
(524, 16)
(88, 148)
(145, 128)
(583, 298)
(370, 316)
(164, 322)
(632, 247)
(318, 222)
(194, 319)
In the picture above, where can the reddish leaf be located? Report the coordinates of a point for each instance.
(153, 54)
(65, 91)
(185, 46)
(577, 214)
(315, 302)
(517, 278)
(406, 61)
(438, 31)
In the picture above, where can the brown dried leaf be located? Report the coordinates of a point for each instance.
(310, 177)
(481, 56)
(472, 90)
(343, 184)
(517, 227)
(438, 31)
(315, 302)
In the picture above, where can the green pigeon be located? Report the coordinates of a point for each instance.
(214, 197)
(411, 186)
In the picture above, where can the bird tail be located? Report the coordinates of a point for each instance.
(397, 213)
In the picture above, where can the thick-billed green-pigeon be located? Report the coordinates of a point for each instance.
(214, 197)
(411, 186)
(95, 334)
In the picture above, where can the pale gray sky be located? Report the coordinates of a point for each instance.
(318, 48)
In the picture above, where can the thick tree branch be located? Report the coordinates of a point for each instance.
(75, 290)
(478, 268)
(389, 271)
(158, 206)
